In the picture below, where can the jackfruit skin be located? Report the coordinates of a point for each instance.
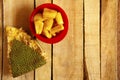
(23, 58)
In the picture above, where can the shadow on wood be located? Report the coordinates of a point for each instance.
(6, 66)
(22, 18)
(105, 2)
(86, 77)
(0, 50)
(118, 42)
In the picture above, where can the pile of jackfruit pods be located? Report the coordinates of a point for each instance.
(48, 23)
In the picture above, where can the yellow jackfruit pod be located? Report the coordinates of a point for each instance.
(38, 17)
(47, 33)
(49, 13)
(59, 18)
(38, 26)
(54, 34)
(56, 29)
(48, 24)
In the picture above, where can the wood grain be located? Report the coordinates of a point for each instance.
(44, 72)
(92, 38)
(68, 54)
(84, 48)
(0, 39)
(16, 14)
(118, 41)
(109, 40)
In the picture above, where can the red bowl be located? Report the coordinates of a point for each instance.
(60, 35)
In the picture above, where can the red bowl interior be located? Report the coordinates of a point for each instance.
(60, 35)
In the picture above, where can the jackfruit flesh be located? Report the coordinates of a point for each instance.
(48, 24)
(47, 33)
(38, 26)
(59, 18)
(49, 13)
(56, 29)
(38, 17)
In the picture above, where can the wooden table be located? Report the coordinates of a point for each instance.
(90, 51)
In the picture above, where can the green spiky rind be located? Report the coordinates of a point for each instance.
(24, 59)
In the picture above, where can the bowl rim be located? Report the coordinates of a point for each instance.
(60, 36)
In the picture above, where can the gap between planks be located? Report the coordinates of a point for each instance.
(1, 36)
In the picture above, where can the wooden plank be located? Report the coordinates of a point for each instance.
(16, 14)
(109, 40)
(92, 38)
(0, 38)
(118, 41)
(68, 54)
(44, 72)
